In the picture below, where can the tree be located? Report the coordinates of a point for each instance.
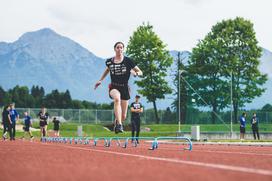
(267, 108)
(66, 99)
(4, 97)
(38, 94)
(53, 100)
(149, 53)
(21, 96)
(206, 70)
(241, 57)
(230, 50)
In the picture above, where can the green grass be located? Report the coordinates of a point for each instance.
(205, 128)
(92, 130)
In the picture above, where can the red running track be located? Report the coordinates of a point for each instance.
(27, 161)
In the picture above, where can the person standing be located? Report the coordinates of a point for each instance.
(56, 126)
(242, 126)
(120, 67)
(255, 126)
(27, 125)
(14, 116)
(136, 108)
(6, 121)
(43, 116)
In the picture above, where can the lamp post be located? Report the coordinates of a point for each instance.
(231, 103)
(179, 118)
(179, 103)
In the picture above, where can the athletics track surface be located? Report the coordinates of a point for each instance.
(27, 161)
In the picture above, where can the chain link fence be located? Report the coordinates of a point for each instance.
(147, 117)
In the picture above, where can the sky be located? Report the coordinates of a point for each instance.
(98, 24)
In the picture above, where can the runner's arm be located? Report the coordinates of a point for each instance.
(137, 71)
(102, 77)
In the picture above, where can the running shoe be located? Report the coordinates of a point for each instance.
(119, 128)
(114, 125)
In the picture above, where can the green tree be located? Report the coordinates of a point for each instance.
(241, 55)
(150, 54)
(205, 66)
(229, 50)
(2, 97)
(38, 94)
(52, 100)
(267, 108)
(21, 96)
(66, 100)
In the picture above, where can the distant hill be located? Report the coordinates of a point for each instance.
(48, 59)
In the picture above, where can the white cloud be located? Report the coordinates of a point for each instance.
(98, 24)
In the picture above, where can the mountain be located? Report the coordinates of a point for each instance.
(48, 59)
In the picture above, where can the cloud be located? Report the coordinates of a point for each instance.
(98, 24)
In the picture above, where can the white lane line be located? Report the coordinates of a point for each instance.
(239, 153)
(224, 152)
(194, 163)
(218, 151)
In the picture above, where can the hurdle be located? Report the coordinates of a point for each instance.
(101, 138)
(108, 141)
(126, 139)
(155, 143)
(135, 138)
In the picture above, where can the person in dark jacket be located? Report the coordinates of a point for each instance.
(6, 121)
(136, 109)
(243, 126)
(255, 126)
(56, 126)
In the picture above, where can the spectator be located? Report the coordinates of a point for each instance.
(6, 121)
(243, 126)
(27, 125)
(14, 116)
(255, 126)
(136, 108)
(56, 126)
(43, 116)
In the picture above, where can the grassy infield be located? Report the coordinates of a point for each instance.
(91, 130)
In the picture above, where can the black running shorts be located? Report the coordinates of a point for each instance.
(122, 88)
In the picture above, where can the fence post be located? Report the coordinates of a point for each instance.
(145, 117)
(79, 115)
(266, 113)
(161, 122)
(96, 116)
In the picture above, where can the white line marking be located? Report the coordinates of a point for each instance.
(200, 164)
(224, 152)
(239, 153)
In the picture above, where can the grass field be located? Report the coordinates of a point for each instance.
(93, 130)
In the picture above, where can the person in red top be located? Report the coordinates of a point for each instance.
(120, 67)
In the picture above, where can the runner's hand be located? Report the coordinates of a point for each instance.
(97, 84)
